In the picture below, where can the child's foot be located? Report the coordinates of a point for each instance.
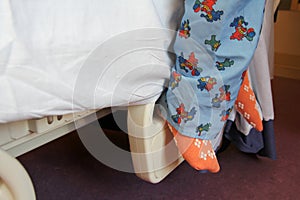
(198, 153)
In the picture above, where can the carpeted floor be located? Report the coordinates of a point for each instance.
(63, 169)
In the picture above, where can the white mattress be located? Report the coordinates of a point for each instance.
(58, 57)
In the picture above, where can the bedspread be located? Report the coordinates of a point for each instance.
(58, 57)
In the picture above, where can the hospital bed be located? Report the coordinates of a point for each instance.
(66, 64)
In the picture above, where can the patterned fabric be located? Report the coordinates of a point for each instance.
(198, 153)
(247, 105)
(214, 46)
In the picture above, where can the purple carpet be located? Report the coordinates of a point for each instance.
(63, 169)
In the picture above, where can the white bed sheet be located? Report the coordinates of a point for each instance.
(58, 57)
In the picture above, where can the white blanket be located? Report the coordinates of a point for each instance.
(58, 57)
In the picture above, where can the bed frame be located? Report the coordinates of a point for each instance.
(154, 153)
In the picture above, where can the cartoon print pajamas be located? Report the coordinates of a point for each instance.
(214, 46)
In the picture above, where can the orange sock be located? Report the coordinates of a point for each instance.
(198, 153)
(246, 104)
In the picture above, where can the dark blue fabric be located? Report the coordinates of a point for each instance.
(261, 143)
(269, 149)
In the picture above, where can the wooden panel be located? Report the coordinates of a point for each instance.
(295, 5)
(287, 65)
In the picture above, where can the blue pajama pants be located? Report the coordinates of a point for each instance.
(214, 46)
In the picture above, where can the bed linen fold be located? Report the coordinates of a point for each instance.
(44, 45)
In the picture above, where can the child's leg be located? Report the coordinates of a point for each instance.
(247, 105)
(198, 153)
(214, 46)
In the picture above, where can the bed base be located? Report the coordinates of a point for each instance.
(15, 183)
(17, 138)
(153, 150)
(20, 137)
(154, 153)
